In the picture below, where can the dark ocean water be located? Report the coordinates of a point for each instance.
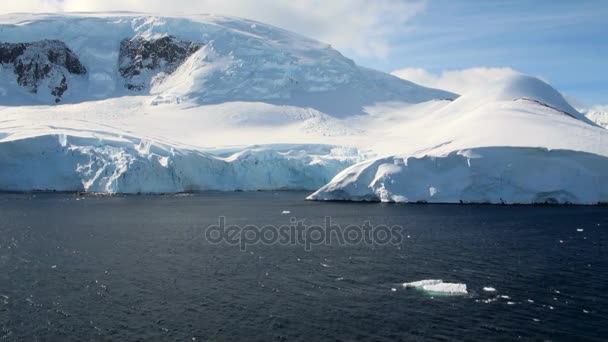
(139, 268)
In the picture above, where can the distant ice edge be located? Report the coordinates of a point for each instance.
(494, 175)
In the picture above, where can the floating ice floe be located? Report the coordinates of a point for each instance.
(437, 286)
(489, 289)
(580, 230)
(285, 212)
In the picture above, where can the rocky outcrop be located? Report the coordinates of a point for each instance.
(141, 59)
(47, 62)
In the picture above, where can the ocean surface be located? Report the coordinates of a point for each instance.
(142, 268)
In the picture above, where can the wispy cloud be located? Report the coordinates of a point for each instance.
(361, 27)
(457, 81)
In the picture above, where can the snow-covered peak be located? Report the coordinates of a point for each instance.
(238, 60)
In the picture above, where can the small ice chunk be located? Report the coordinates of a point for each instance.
(585, 311)
(54, 266)
(580, 230)
(393, 289)
(505, 297)
(437, 286)
(536, 319)
(489, 289)
(285, 212)
(530, 301)
(510, 303)
(489, 300)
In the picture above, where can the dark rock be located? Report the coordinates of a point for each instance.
(140, 58)
(34, 62)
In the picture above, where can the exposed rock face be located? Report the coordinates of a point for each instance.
(141, 59)
(44, 61)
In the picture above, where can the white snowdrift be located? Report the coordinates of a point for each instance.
(480, 175)
(71, 163)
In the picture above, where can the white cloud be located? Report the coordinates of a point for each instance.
(361, 26)
(37, 6)
(457, 81)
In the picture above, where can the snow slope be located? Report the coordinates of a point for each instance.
(171, 104)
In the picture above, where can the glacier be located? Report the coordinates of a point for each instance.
(206, 102)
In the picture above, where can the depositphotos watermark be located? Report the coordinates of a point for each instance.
(299, 234)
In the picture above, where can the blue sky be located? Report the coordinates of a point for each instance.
(563, 42)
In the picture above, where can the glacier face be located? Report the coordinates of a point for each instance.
(127, 165)
(171, 104)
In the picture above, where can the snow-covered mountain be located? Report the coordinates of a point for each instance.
(124, 102)
(204, 59)
(514, 141)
